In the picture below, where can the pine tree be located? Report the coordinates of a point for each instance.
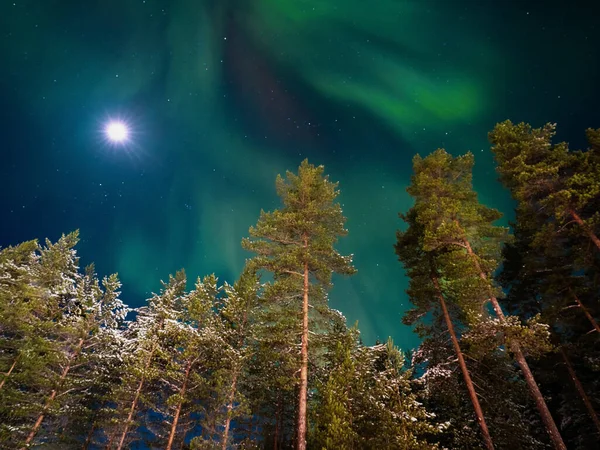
(390, 415)
(366, 399)
(193, 348)
(97, 368)
(238, 316)
(62, 315)
(296, 243)
(542, 175)
(269, 382)
(513, 420)
(447, 207)
(143, 359)
(333, 415)
(27, 351)
(550, 269)
(425, 293)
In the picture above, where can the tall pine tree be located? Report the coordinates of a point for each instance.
(296, 243)
(453, 220)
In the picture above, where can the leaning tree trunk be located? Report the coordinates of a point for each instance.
(463, 367)
(585, 228)
(179, 406)
(586, 312)
(580, 390)
(7, 374)
(136, 398)
(90, 435)
(50, 399)
(301, 432)
(522, 362)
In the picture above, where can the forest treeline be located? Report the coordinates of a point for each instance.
(510, 352)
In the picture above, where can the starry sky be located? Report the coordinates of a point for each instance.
(222, 95)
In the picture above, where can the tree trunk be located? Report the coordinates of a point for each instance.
(88, 439)
(179, 406)
(232, 392)
(50, 399)
(229, 410)
(304, 368)
(136, 397)
(586, 312)
(277, 424)
(580, 390)
(111, 438)
(585, 228)
(7, 374)
(465, 371)
(551, 427)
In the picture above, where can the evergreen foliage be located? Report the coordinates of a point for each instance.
(269, 365)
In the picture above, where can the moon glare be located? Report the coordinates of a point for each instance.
(117, 132)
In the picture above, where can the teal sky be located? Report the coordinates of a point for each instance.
(222, 95)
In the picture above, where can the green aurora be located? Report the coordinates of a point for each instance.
(222, 95)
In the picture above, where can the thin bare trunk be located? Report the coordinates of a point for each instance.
(50, 399)
(233, 389)
(111, 438)
(277, 424)
(7, 374)
(551, 427)
(585, 228)
(136, 398)
(179, 406)
(88, 439)
(580, 390)
(229, 409)
(304, 368)
(586, 312)
(465, 371)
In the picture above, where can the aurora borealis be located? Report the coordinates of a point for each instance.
(222, 95)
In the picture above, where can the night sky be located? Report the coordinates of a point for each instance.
(222, 95)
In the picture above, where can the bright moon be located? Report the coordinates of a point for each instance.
(117, 131)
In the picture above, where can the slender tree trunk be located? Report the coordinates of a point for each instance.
(111, 438)
(88, 439)
(179, 406)
(522, 362)
(233, 389)
(580, 390)
(7, 374)
(50, 399)
(229, 409)
(304, 368)
(586, 312)
(277, 424)
(276, 435)
(585, 228)
(463, 367)
(136, 398)
(131, 412)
